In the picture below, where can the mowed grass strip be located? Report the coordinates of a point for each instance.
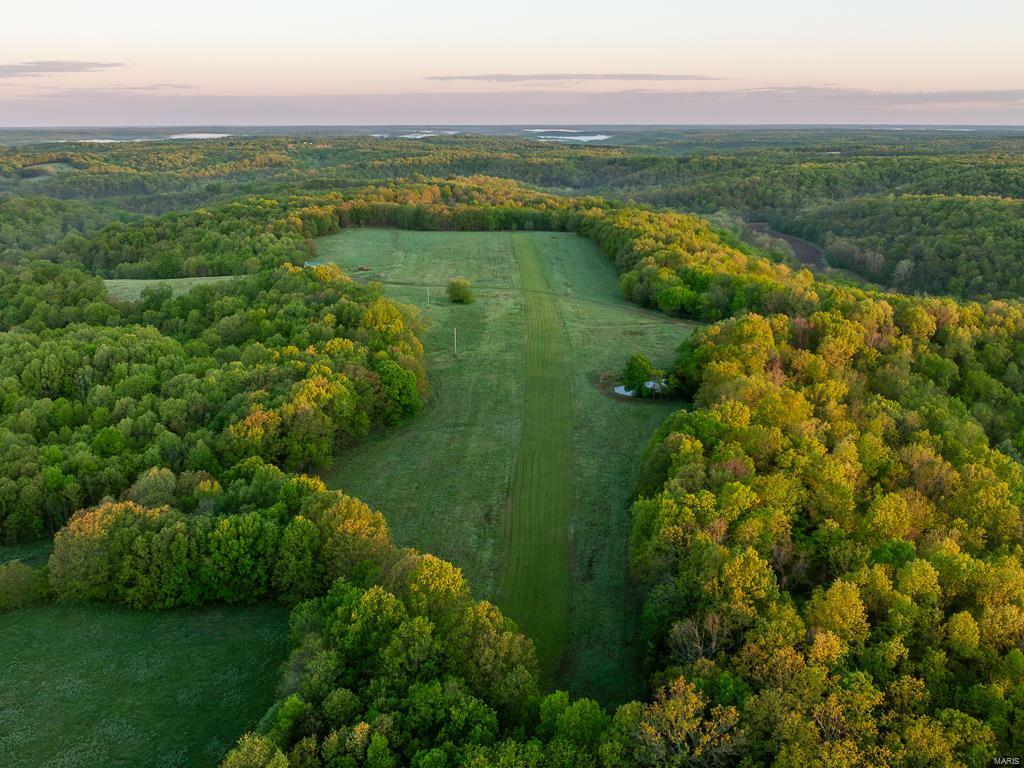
(604, 659)
(85, 686)
(534, 586)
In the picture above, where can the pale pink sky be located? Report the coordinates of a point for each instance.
(461, 62)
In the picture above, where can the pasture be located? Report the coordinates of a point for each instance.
(131, 289)
(520, 469)
(100, 686)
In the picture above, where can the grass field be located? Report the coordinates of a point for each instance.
(99, 686)
(130, 290)
(520, 469)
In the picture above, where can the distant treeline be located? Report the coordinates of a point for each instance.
(951, 225)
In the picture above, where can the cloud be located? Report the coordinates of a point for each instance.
(1013, 96)
(36, 68)
(57, 67)
(53, 92)
(499, 78)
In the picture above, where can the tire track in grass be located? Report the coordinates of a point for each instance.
(534, 582)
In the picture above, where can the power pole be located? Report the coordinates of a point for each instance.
(456, 331)
(428, 295)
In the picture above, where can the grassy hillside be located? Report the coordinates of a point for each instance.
(134, 688)
(520, 468)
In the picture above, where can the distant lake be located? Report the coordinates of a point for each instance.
(136, 139)
(199, 136)
(594, 137)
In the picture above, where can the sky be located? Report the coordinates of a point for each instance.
(457, 62)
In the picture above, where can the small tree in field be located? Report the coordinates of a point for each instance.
(637, 373)
(460, 291)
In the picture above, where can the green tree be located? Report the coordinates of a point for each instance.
(637, 373)
(255, 751)
(678, 728)
(460, 291)
(298, 572)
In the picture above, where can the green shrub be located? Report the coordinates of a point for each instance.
(19, 585)
(460, 291)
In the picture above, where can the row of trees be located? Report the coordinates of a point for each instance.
(256, 533)
(258, 233)
(424, 676)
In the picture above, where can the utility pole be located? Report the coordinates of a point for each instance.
(428, 295)
(456, 332)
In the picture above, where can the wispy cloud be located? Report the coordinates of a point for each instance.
(53, 92)
(1010, 95)
(512, 78)
(36, 68)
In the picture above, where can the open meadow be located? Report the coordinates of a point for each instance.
(521, 467)
(84, 686)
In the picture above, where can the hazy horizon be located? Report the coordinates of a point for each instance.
(114, 63)
(549, 126)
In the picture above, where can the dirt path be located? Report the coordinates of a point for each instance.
(534, 581)
(807, 252)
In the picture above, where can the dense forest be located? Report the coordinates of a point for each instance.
(828, 538)
(286, 365)
(964, 245)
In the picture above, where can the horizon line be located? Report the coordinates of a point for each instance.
(553, 124)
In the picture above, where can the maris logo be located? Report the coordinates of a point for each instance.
(1005, 761)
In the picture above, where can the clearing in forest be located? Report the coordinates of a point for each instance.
(131, 289)
(88, 685)
(519, 469)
